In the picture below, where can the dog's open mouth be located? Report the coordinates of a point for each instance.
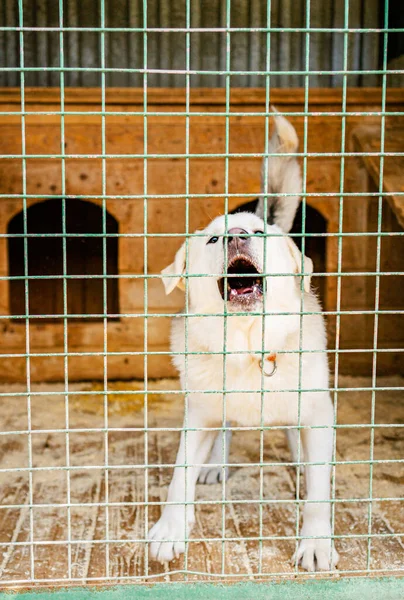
(244, 283)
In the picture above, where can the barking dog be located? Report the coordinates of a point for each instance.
(258, 283)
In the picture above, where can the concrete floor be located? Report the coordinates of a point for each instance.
(86, 524)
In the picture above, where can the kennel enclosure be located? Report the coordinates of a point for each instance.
(124, 127)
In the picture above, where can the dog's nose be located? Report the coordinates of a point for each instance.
(240, 233)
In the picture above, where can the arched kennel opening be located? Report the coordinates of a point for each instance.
(84, 257)
(314, 245)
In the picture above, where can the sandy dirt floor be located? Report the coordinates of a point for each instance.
(220, 548)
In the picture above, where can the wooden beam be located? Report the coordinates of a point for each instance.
(213, 96)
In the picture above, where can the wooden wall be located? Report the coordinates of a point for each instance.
(126, 186)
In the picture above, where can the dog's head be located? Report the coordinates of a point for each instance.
(231, 261)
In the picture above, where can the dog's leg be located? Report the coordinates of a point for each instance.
(167, 536)
(214, 474)
(293, 441)
(317, 445)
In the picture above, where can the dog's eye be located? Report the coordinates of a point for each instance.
(259, 231)
(213, 240)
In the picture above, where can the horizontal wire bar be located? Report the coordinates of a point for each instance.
(199, 113)
(105, 467)
(168, 156)
(199, 353)
(389, 234)
(207, 29)
(206, 539)
(233, 429)
(139, 315)
(197, 72)
(205, 391)
(212, 195)
(196, 503)
(144, 276)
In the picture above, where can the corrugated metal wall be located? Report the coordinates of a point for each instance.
(166, 50)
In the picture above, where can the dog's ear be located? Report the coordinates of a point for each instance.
(175, 272)
(297, 259)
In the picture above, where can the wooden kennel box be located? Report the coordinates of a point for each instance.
(84, 175)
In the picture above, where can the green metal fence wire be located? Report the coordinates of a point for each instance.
(377, 293)
(145, 285)
(339, 281)
(342, 196)
(26, 294)
(304, 188)
(265, 186)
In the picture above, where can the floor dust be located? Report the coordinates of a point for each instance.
(233, 539)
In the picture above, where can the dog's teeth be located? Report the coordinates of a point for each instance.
(233, 293)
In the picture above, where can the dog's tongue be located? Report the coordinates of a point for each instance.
(239, 291)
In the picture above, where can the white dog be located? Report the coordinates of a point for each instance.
(235, 268)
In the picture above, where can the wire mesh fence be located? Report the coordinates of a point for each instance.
(93, 210)
(167, 34)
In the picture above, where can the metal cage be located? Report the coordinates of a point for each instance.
(68, 279)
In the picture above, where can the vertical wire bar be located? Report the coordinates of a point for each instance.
(145, 293)
(263, 346)
(64, 283)
(304, 201)
(104, 282)
(226, 213)
(377, 286)
(339, 262)
(26, 290)
(187, 145)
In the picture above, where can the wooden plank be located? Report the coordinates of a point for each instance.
(211, 43)
(15, 491)
(284, 45)
(83, 526)
(296, 40)
(89, 44)
(12, 42)
(196, 41)
(53, 59)
(116, 47)
(3, 74)
(368, 140)
(153, 79)
(320, 43)
(210, 96)
(371, 44)
(72, 52)
(177, 43)
(135, 51)
(239, 54)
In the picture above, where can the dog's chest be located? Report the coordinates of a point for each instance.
(250, 396)
(236, 371)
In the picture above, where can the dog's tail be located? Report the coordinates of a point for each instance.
(281, 175)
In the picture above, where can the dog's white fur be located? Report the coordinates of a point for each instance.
(281, 174)
(202, 376)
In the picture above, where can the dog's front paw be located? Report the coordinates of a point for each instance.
(167, 536)
(209, 475)
(316, 554)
